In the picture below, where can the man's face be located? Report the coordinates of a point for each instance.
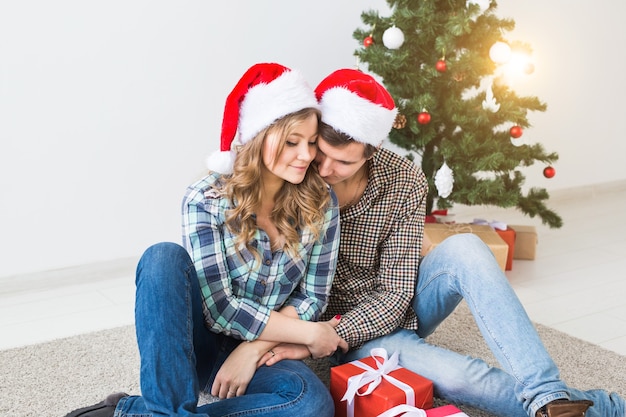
(336, 165)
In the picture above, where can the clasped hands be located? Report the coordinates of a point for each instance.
(235, 374)
(325, 342)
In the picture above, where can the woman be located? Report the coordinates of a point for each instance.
(261, 245)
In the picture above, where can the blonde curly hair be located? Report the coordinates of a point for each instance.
(299, 208)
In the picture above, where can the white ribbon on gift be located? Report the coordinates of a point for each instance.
(374, 377)
(404, 411)
(494, 224)
(410, 411)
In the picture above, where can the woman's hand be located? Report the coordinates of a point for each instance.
(235, 374)
(284, 351)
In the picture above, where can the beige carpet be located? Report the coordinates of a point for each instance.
(51, 379)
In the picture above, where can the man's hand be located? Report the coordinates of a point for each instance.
(326, 340)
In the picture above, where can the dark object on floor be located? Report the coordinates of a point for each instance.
(565, 408)
(104, 408)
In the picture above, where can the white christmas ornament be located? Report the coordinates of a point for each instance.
(518, 141)
(482, 4)
(393, 38)
(500, 52)
(489, 103)
(444, 180)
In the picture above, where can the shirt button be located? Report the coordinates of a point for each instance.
(268, 262)
(262, 282)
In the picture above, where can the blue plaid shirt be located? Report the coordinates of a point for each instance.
(238, 293)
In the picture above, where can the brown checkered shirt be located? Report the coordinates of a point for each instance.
(379, 253)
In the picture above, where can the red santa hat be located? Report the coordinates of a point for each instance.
(355, 104)
(264, 94)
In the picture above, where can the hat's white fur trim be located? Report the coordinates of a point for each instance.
(356, 116)
(265, 103)
(221, 162)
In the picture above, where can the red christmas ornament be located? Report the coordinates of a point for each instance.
(516, 131)
(423, 118)
(368, 41)
(441, 66)
(549, 172)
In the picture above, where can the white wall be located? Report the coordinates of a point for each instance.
(108, 109)
(580, 75)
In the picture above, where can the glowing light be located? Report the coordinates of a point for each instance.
(500, 53)
(518, 65)
(513, 62)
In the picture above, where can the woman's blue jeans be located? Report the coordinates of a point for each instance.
(180, 357)
(463, 267)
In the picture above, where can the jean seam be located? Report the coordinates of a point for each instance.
(119, 412)
(547, 399)
(189, 323)
(514, 372)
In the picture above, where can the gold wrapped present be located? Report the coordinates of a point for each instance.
(435, 233)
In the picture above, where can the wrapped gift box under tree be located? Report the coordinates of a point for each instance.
(525, 242)
(435, 233)
(506, 233)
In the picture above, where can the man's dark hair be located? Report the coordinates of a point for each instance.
(339, 139)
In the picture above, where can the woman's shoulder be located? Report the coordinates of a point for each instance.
(206, 188)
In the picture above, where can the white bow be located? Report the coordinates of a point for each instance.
(371, 376)
(494, 224)
(410, 411)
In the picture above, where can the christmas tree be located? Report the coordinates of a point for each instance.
(443, 62)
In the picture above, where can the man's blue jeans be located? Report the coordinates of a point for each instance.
(180, 357)
(463, 267)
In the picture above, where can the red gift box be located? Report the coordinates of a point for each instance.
(368, 387)
(432, 217)
(508, 236)
(445, 411)
(408, 411)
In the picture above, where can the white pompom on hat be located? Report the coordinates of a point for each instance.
(357, 105)
(264, 94)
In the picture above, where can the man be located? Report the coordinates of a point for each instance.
(388, 298)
